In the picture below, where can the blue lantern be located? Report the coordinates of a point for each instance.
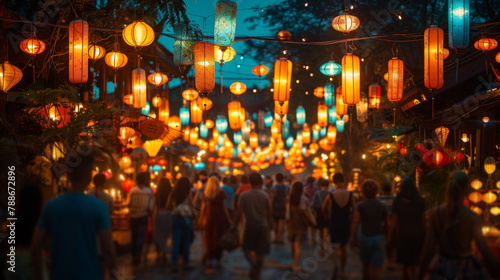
(184, 115)
(235, 152)
(323, 132)
(146, 109)
(183, 46)
(315, 134)
(203, 131)
(199, 166)
(268, 119)
(458, 23)
(330, 69)
(301, 115)
(255, 116)
(237, 137)
(221, 124)
(225, 23)
(289, 141)
(329, 95)
(340, 124)
(332, 114)
(285, 129)
(221, 140)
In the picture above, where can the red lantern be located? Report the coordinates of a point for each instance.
(107, 174)
(127, 184)
(32, 46)
(485, 44)
(433, 57)
(78, 51)
(396, 78)
(260, 70)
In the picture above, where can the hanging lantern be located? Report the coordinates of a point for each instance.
(152, 147)
(204, 103)
(221, 124)
(345, 23)
(331, 133)
(156, 101)
(183, 46)
(319, 92)
(489, 165)
(10, 75)
(362, 109)
(332, 114)
(209, 124)
(175, 121)
(282, 78)
(254, 140)
(340, 106)
(184, 115)
(260, 70)
(115, 59)
(223, 54)
(306, 134)
(329, 95)
(458, 23)
(138, 34)
(225, 23)
(196, 113)
(374, 93)
(193, 136)
(350, 79)
(157, 78)
(475, 197)
(326, 145)
(485, 44)
(238, 88)
(489, 197)
(139, 89)
(284, 35)
(96, 52)
(300, 114)
(190, 94)
(128, 99)
(268, 119)
(433, 57)
(78, 51)
(281, 108)
(497, 57)
(204, 66)
(442, 134)
(330, 69)
(164, 110)
(446, 53)
(146, 109)
(32, 46)
(396, 71)
(235, 115)
(340, 125)
(322, 114)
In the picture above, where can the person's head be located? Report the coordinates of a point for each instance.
(99, 180)
(268, 180)
(80, 174)
(296, 193)
(163, 191)
(279, 178)
(323, 184)
(212, 187)
(225, 180)
(310, 180)
(181, 190)
(202, 176)
(369, 188)
(244, 179)
(215, 174)
(143, 179)
(408, 189)
(233, 180)
(338, 179)
(255, 180)
(386, 187)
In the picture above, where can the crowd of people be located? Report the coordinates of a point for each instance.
(388, 222)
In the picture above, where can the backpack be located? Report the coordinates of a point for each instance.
(280, 198)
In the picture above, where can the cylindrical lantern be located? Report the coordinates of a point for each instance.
(260, 70)
(345, 23)
(10, 75)
(396, 78)
(204, 103)
(223, 54)
(164, 110)
(340, 125)
(282, 78)
(362, 109)
(332, 114)
(433, 57)
(115, 59)
(374, 93)
(322, 114)
(254, 140)
(221, 124)
(32, 46)
(301, 115)
(458, 23)
(193, 136)
(340, 105)
(485, 44)
(306, 135)
(330, 69)
(203, 131)
(184, 115)
(183, 46)
(234, 113)
(329, 95)
(190, 94)
(157, 78)
(78, 51)
(196, 113)
(281, 108)
(238, 88)
(225, 23)
(331, 133)
(319, 92)
(350, 79)
(204, 66)
(138, 34)
(96, 52)
(139, 88)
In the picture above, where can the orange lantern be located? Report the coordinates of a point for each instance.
(260, 70)
(174, 122)
(164, 110)
(331, 133)
(10, 75)
(78, 51)
(345, 23)
(281, 108)
(306, 134)
(96, 52)
(326, 145)
(116, 59)
(396, 77)
(128, 99)
(350, 79)
(284, 35)
(340, 106)
(238, 88)
(190, 94)
(204, 103)
(139, 89)
(319, 92)
(282, 77)
(433, 57)
(196, 113)
(32, 46)
(204, 66)
(156, 101)
(485, 44)
(193, 136)
(322, 114)
(374, 93)
(138, 34)
(209, 124)
(157, 78)
(235, 115)
(446, 53)
(254, 140)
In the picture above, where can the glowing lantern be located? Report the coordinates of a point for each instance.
(268, 119)
(157, 78)
(345, 23)
(156, 101)
(164, 111)
(139, 88)
(340, 124)
(329, 95)
(10, 75)
(396, 78)
(128, 99)
(175, 122)
(32, 46)
(475, 197)
(275, 130)
(362, 109)
(300, 113)
(209, 124)
(193, 136)
(446, 53)
(260, 70)
(442, 134)
(340, 106)
(281, 108)
(325, 144)
(284, 35)
(433, 57)
(196, 113)
(282, 77)
(190, 94)
(221, 124)
(183, 46)
(152, 147)
(147, 109)
(306, 135)
(485, 44)
(332, 114)
(374, 92)
(495, 210)
(184, 115)
(204, 66)
(489, 165)
(138, 34)
(225, 23)
(254, 140)
(235, 115)
(322, 114)
(350, 79)
(331, 133)
(78, 51)
(116, 59)
(330, 69)
(237, 137)
(497, 57)
(458, 23)
(127, 184)
(319, 92)
(224, 54)
(489, 197)
(96, 52)
(238, 88)
(204, 103)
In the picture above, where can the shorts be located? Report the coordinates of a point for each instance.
(372, 249)
(340, 235)
(278, 216)
(257, 239)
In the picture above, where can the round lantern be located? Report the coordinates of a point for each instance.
(489, 197)
(78, 51)
(209, 124)
(284, 35)
(190, 94)
(319, 92)
(433, 57)
(235, 115)
(138, 34)
(204, 103)
(325, 144)
(345, 23)
(260, 70)
(330, 69)
(301, 115)
(157, 78)
(485, 44)
(224, 54)
(374, 92)
(458, 23)
(183, 46)
(225, 23)
(139, 88)
(238, 88)
(174, 122)
(282, 78)
(116, 59)
(32, 46)
(96, 52)
(10, 75)
(164, 110)
(489, 165)
(396, 78)
(350, 79)
(156, 101)
(204, 66)
(475, 197)
(322, 114)
(127, 184)
(340, 106)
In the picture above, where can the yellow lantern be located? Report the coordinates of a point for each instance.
(238, 88)
(204, 103)
(260, 70)
(396, 78)
(116, 59)
(174, 122)
(254, 140)
(345, 23)
(350, 79)
(476, 184)
(282, 77)
(139, 88)
(196, 113)
(96, 52)
(281, 108)
(476, 210)
(276, 130)
(209, 124)
(223, 54)
(340, 106)
(32, 46)
(10, 75)
(156, 101)
(475, 197)
(138, 34)
(164, 111)
(157, 78)
(78, 51)
(433, 57)
(234, 115)
(495, 210)
(204, 66)
(489, 197)
(190, 94)
(193, 136)
(485, 44)
(374, 93)
(306, 134)
(489, 165)
(319, 92)
(152, 147)
(322, 114)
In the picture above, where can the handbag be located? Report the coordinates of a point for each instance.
(230, 240)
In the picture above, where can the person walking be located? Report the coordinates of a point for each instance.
(279, 194)
(255, 205)
(162, 217)
(99, 181)
(387, 198)
(230, 195)
(317, 203)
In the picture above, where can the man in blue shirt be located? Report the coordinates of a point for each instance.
(73, 222)
(229, 195)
